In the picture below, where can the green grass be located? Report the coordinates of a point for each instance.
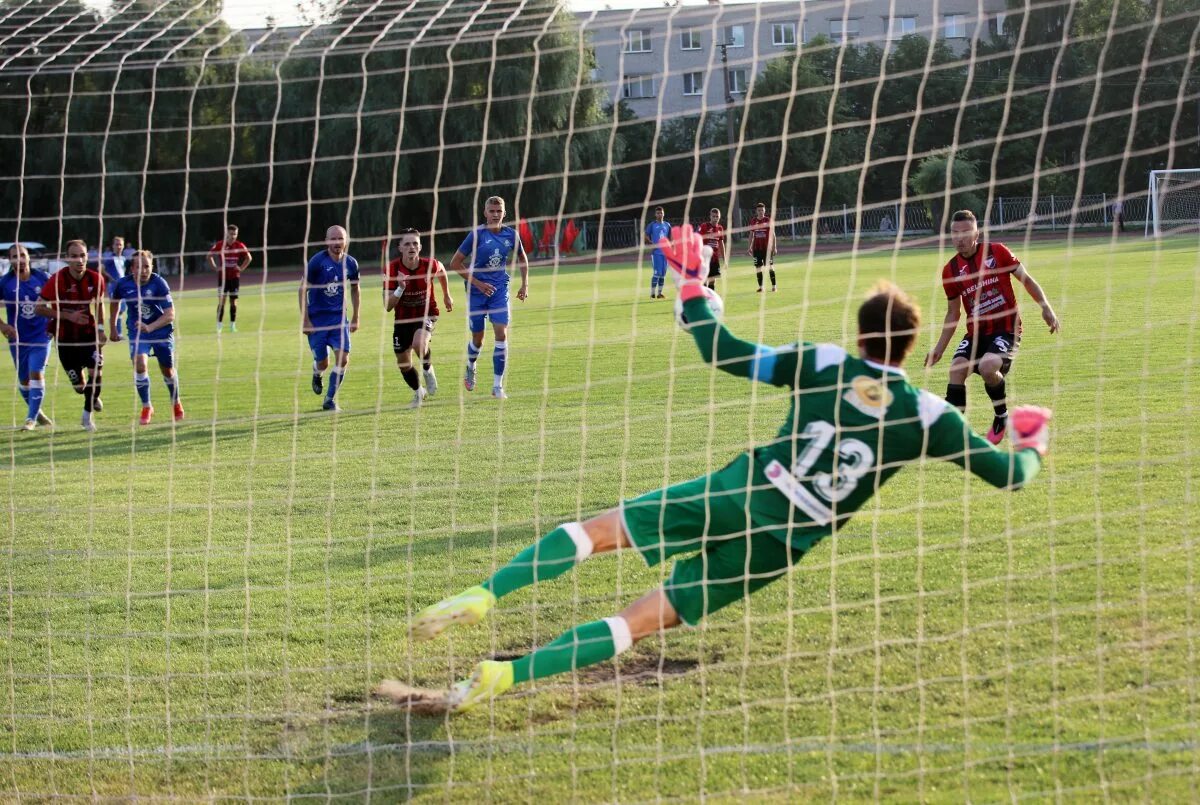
(198, 611)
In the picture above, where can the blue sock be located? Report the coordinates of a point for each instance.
(335, 380)
(141, 381)
(172, 387)
(472, 352)
(37, 390)
(499, 361)
(24, 387)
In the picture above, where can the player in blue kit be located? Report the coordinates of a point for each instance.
(656, 230)
(491, 249)
(323, 305)
(27, 333)
(151, 329)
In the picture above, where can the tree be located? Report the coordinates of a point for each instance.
(929, 180)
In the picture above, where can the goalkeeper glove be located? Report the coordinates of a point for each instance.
(1029, 426)
(688, 257)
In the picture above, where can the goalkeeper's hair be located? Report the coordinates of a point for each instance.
(888, 322)
(963, 215)
(77, 242)
(146, 255)
(495, 200)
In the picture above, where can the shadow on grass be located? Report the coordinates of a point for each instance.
(69, 443)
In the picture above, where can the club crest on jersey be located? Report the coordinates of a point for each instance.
(145, 312)
(869, 395)
(990, 262)
(495, 261)
(26, 309)
(331, 290)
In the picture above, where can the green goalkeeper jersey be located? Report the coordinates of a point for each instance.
(852, 425)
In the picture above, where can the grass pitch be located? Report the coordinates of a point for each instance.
(200, 611)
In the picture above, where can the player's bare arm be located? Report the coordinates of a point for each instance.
(458, 264)
(523, 264)
(114, 332)
(166, 318)
(442, 280)
(355, 304)
(306, 325)
(1035, 291)
(245, 260)
(949, 326)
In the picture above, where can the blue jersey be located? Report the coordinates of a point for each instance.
(327, 279)
(488, 252)
(146, 303)
(20, 299)
(655, 231)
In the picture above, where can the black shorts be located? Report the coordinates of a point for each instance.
(760, 257)
(75, 358)
(974, 347)
(231, 287)
(714, 267)
(403, 332)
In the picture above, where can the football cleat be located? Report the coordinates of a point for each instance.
(30, 424)
(42, 419)
(97, 405)
(232, 327)
(87, 423)
(430, 381)
(469, 377)
(498, 393)
(1030, 428)
(995, 434)
(418, 398)
(469, 606)
(318, 384)
(330, 405)
(489, 679)
(178, 411)
(147, 415)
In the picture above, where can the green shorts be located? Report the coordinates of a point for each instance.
(710, 516)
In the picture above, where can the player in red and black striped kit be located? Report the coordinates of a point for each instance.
(762, 244)
(713, 235)
(68, 299)
(978, 279)
(408, 290)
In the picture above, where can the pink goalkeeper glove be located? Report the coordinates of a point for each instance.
(688, 258)
(1029, 426)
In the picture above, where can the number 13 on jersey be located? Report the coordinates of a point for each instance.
(815, 494)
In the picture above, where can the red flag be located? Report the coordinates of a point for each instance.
(526, 236)
(570, 233)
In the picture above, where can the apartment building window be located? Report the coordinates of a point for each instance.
(693, 83)
(954, 26)
(783, 34)
(637, 40)
(898, 27)
(735, 36)
(996, 24)
(843, 30)
(737, 81)
(689, 39)
(638, 86)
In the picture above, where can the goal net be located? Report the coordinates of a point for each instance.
(199, 608)
(1174, 201)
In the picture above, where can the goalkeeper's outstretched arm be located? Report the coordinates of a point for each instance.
(724, 350)
(952, 439)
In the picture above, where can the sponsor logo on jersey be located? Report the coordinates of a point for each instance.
(869, 395)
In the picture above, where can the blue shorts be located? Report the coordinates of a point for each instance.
(334, 337)
(479, 306)
(164, 351)
(29, 358)
(658, 261)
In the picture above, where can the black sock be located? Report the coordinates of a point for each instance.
(759, 273)
(220, 314)
(956, 395)
(90, 393)
(232, 311)
(998, 397)
(427, 360)
(411, 378)
(772, 277)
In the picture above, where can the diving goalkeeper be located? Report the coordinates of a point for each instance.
(855, 420)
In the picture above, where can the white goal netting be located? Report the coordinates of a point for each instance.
(199, 609)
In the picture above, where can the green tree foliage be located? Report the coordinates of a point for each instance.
(941, 197)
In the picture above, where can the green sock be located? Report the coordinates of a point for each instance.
(576, 648)
(548, 558)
